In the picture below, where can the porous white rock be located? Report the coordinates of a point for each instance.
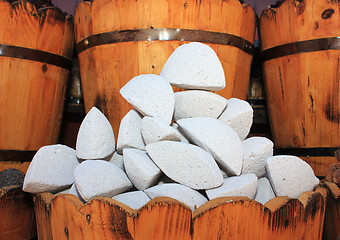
(194, 66)
(197, 103)
(181, 136)
(217, 138)
(117, 159)
(243, 185)
(99, 178)
(73, 190)
(238, 115)
(51, 169)
(95, 138)
(290, 176)
(255, 152)
(186, 195)
(129, 135)
(134, 199)
(151, 95)
(264, 191)
(155, 130)
(140, 169)
(186, 164)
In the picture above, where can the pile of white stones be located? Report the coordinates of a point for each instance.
(189, 145)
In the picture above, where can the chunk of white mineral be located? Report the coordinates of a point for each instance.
(194, 66)
(134, 199)
(99, 178)
(95, 138)
(188, 196)
(51, 169)
(217, 138)
(290, 176)
(186, 164)
(264, 191)
(151, 95)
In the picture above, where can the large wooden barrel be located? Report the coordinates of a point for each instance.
(66, 217)
(118, 40)
(300, 43)
(35, 50)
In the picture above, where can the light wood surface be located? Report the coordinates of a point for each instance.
(32, 93)
(66, 217)
(106, 68)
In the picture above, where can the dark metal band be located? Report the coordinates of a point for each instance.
(301, 47)
(35, 55)
(165, 34)
(311, 152)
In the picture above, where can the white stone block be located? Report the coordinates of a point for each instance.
(99, 178)
(140, 169)
(95, 138)
(217, 138)
(134, 200)
(51, 169)
(238, 115)
(188, 196)
(181, 136)
(129, 135)
(243, 185)
(255, 152)
(194, 66)
(290, 176)
(155, 130)
(186, 164)
(264, 191)
(151, 95)
(197, 103)
(118, 160)
(73, 190)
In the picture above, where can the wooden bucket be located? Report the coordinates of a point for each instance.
(66, 217)
(118, 40)
(17, 221)
(35, 50)
(300, 48)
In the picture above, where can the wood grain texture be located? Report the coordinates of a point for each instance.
(106, 68)
(303, 92)
(32, 93)
(17, 221)
(166, 218)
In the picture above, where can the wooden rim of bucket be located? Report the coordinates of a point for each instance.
(313, 45)
(165, 34)
(35, 55)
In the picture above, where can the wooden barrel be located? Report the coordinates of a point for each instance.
(17, 221)
(300, 49)
(117, 40)
(35, 50)
(66, 217)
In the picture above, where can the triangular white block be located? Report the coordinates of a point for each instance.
(135, 199)
(186, 164)
(194, 66)
(217, 138)
(264, 191)
(95, 138)
(151, 95)
(118, 160)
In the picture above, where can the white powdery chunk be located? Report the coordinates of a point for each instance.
(118, 160)
(140, 169)
(290, 176)
(151, 95)
(243, 185)
(182, 138)
(217, 138)
(255, 152)
(186, 195)
(196, 103)
(95, 138)
(238, 115)
(135, 199)
(51, 169)
(264, 191)
(186, 164)
(155, 130)
(194, 66)
(74, 191)
(99, 178)
(129, 135)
